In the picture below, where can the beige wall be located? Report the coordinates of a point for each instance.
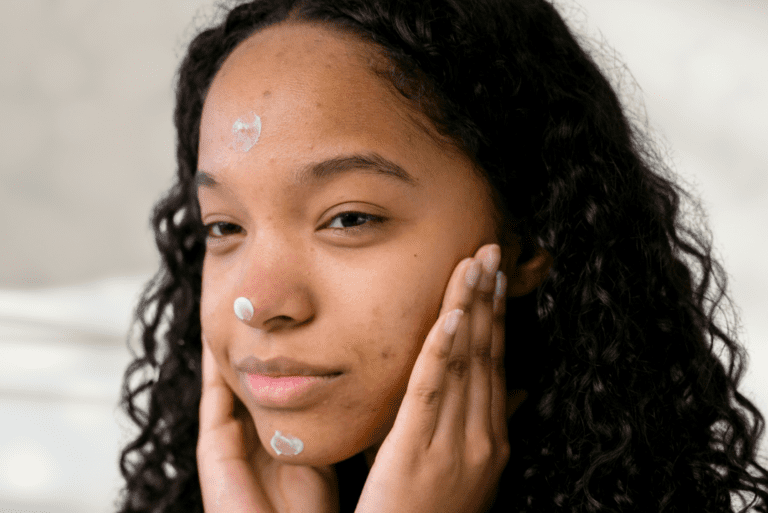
(86, 133)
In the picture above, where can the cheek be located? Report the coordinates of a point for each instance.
(207, 310)
(215, 307)
(207, 291)
(402, 326)
(409, 315)
(398, 334)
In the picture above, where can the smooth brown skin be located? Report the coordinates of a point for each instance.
(363, 301)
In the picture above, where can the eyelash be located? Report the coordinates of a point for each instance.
(373, 222)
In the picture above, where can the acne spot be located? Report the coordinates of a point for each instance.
(386, 354)
(267, 94)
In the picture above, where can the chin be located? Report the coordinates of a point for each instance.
(305, 449)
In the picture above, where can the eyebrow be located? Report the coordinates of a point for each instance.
(326, 170)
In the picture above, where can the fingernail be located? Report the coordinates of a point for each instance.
(501, 289)
(490, 264)
(473, 274)
(501, 284)
(452, 321)
(491, 260)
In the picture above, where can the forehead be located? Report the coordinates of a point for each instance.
(318, 98)
(307, 77)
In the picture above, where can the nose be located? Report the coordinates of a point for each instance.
(273, 289)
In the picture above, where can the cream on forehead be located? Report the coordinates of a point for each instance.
(246, 133)
(289, 445)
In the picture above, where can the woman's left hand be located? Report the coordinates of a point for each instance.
(448, 446)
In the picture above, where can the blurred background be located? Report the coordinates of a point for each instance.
(86, 103)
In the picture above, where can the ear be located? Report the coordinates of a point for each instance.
(523, 277)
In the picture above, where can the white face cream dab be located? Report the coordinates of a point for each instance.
(286, 444)
(243, 309)
(246, 133)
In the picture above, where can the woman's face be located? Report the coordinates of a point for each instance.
(344, 293)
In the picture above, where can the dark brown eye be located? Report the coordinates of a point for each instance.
(221, 229)
(353, 218)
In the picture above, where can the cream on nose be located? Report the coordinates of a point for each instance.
(243, 309)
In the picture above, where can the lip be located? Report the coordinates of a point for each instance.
(282, 366)
(286, 383)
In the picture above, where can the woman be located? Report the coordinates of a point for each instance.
(418, 259)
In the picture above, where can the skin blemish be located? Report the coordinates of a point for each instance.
(246, 133)
(283, 444)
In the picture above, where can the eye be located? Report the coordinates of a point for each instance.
(351, 217)
(221, 229)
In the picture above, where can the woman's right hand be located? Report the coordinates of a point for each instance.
(237, 474)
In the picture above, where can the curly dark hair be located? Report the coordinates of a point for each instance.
(628, 408)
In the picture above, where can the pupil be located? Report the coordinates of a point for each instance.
(351, 216)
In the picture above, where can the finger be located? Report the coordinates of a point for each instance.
(219, 406)
(227, 480)
(217, 400)
(418, 410)
(456, 294)
(479, 399)
(468, 396)
(498, 348)
(451, 421)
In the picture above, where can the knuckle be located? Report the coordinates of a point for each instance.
(465, 303)
(441, 353)
(503, 452)
(205, 449)
(428, 395)
(487, 453)
(485, 296)
(483, 355)
(458, 366)
(483, 452)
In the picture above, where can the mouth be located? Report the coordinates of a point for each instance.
(285, 383)
(289, 392)
(282, 366)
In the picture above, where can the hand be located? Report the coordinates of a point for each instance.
(237, 475)
(448, 446)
